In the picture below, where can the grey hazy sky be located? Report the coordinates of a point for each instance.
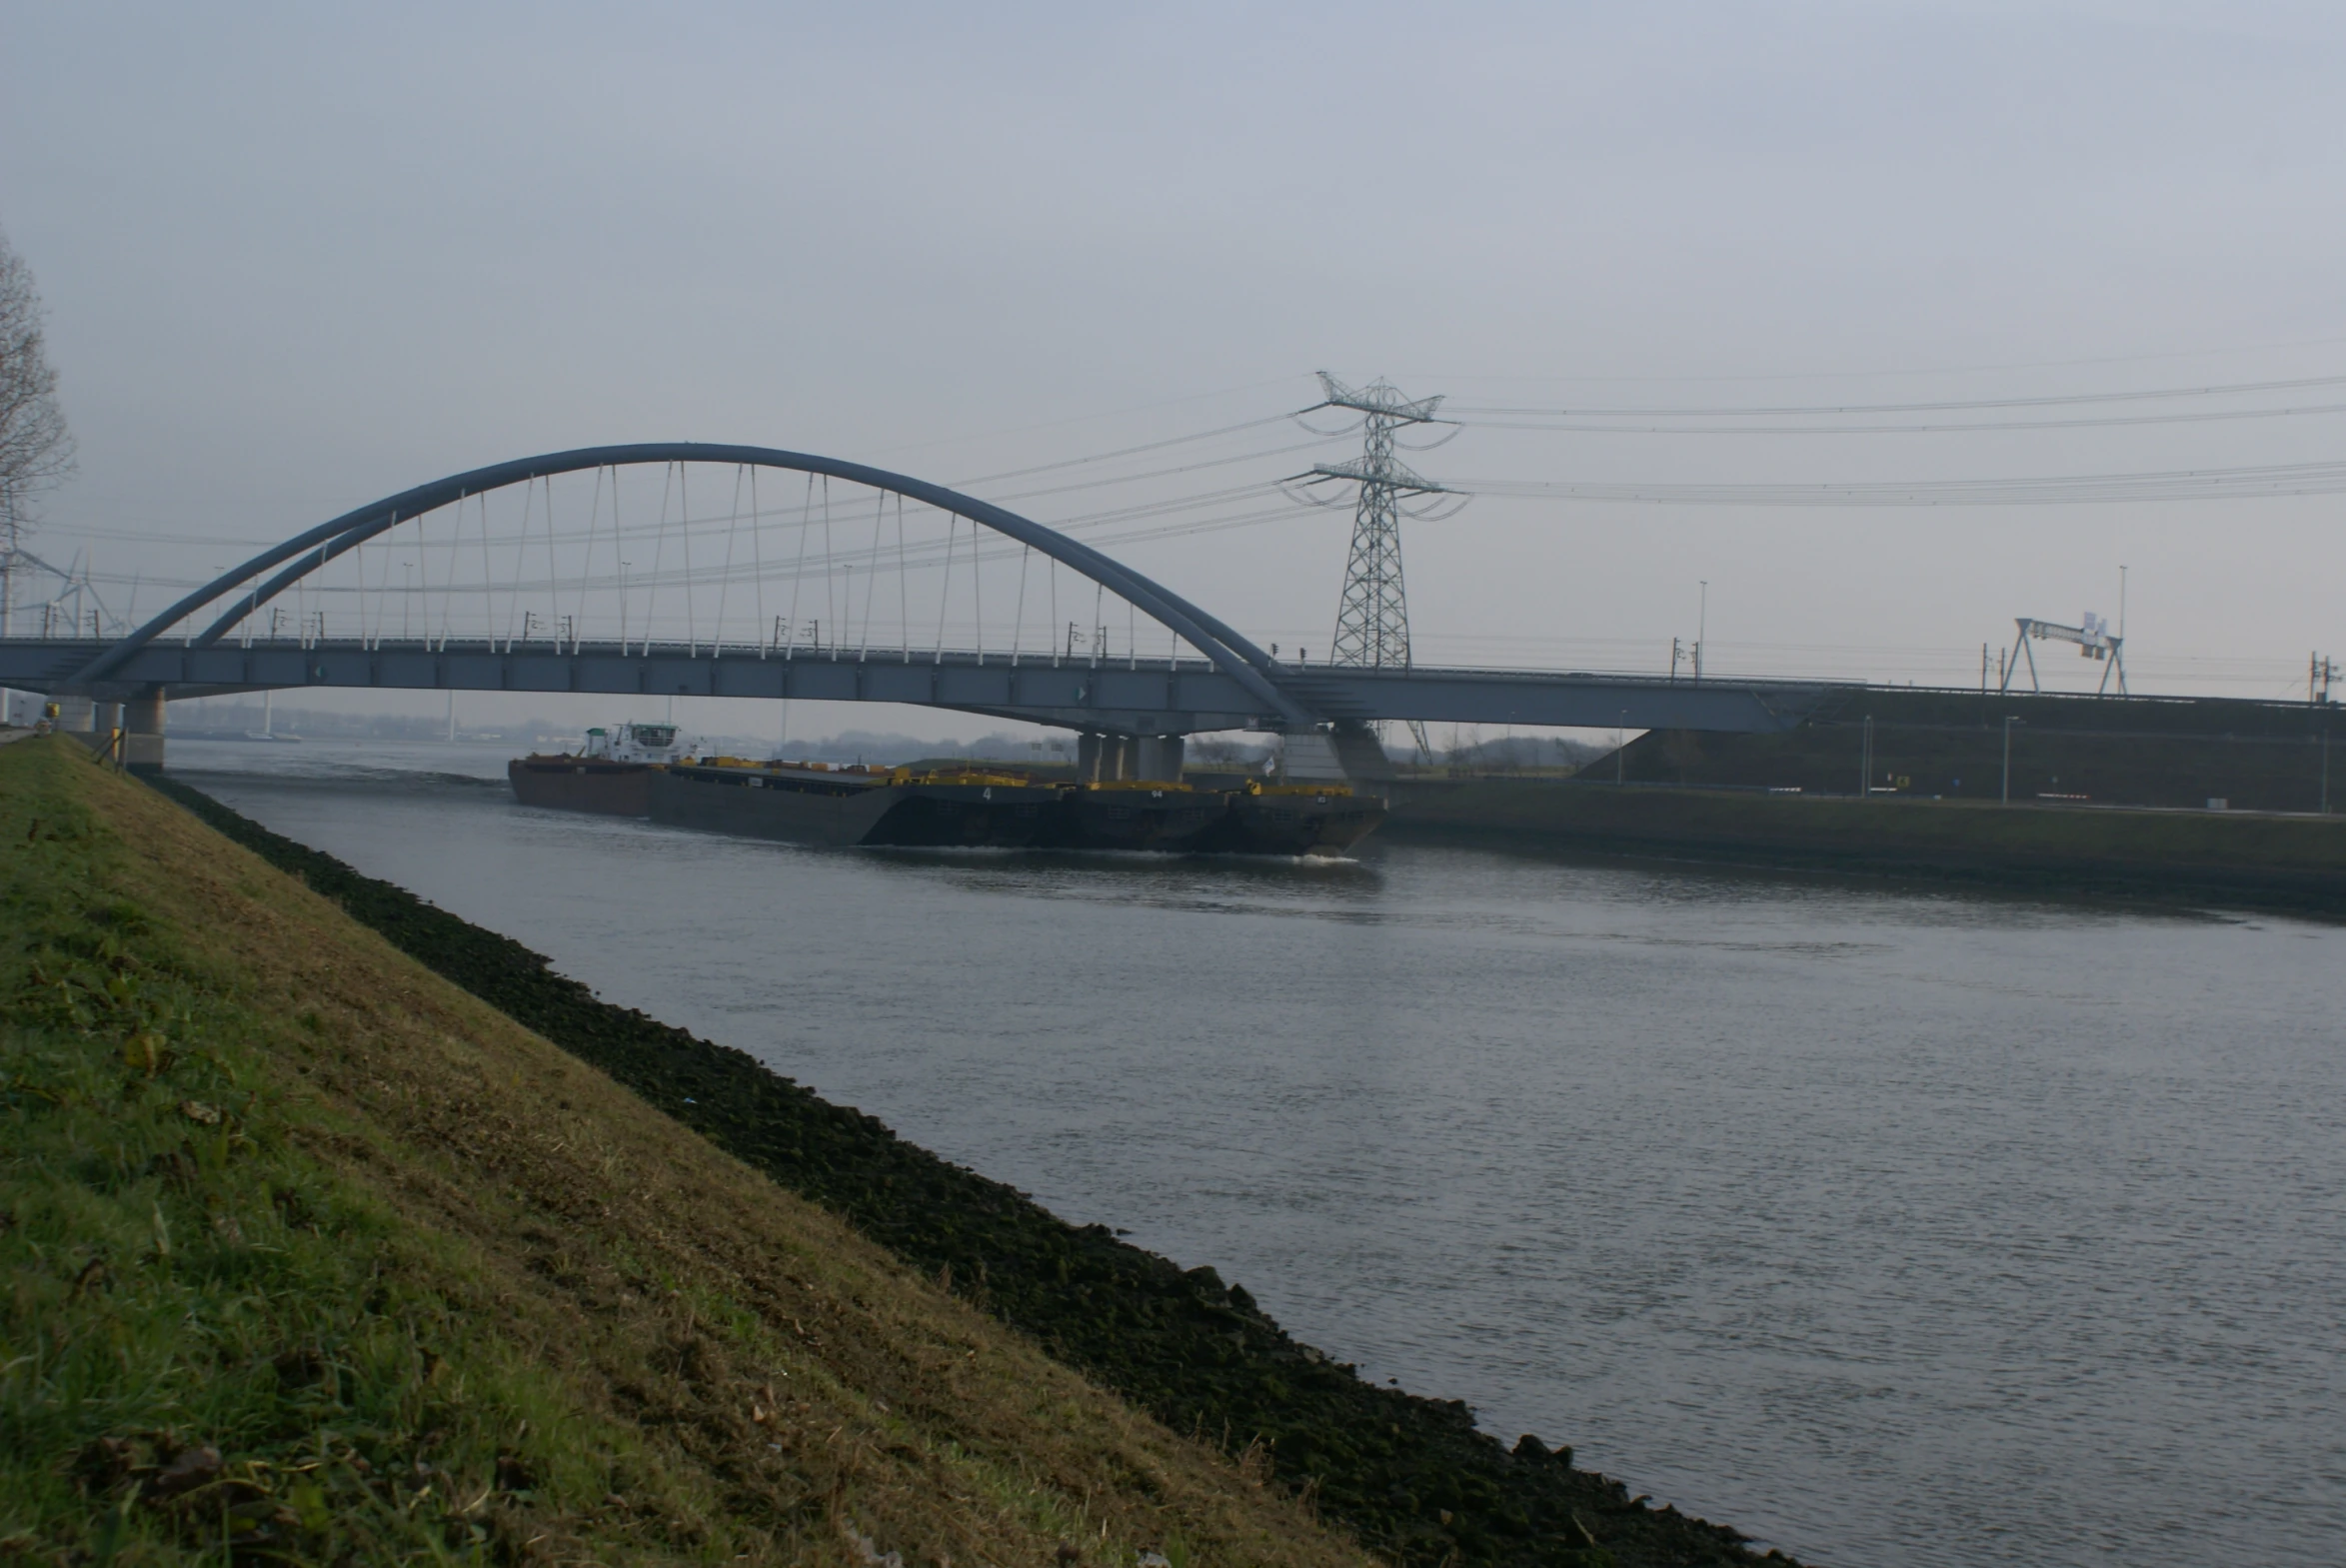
(299, 255)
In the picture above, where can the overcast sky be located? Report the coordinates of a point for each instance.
(299, 255)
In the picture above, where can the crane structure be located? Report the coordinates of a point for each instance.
(2093, 639)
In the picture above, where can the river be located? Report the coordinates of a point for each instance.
(1890, 1224)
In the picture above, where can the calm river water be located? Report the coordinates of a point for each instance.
(1890, 1225)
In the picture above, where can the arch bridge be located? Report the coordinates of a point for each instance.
(531, 576)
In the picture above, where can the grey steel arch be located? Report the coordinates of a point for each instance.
(1233, 654)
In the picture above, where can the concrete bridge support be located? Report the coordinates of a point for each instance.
(1104, 759)
(1361, 750)
(76, 715)
(141, 745)
(1161, 758)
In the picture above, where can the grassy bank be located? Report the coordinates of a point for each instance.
(2291, 863)
(311, 1256)
(1411, 1476)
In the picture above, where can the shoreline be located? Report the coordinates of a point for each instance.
(1412, 1476)
(2283, 864)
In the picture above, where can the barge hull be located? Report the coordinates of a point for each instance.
(569, 784)
(745, 807)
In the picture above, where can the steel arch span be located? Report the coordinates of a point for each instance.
(1236, 685)
(243, 590)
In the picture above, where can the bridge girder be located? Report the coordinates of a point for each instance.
(1123, 696)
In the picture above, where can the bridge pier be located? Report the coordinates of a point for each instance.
(1161, 757)
(75, 715)
(142, 741)
(1101, 757)
(1360, 751)
(1309, 756)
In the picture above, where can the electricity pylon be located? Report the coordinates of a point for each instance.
(1373, 619)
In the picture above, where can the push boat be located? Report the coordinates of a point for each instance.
(820, 803)
(609, 776)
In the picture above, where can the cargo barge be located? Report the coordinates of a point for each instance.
(811, 804)
(645, 774)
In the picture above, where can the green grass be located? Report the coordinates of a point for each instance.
(210, 1345)
(313, 1257)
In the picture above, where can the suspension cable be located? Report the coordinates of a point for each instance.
(1019, 623)
(797, 575)
(683, 509)
(725, 579)
(830, 571)
(872, 573)
(758, 565)
(513, 598)
(659, 552)
(618, 543)
(945, 594)
(587, 561)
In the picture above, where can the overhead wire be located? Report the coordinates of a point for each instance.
(1163, 517)
(2287, 478)
(2209, 416)
(1947, 406)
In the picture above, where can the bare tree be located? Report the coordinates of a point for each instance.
(36, 450)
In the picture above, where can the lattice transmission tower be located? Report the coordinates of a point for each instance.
(1373, 619)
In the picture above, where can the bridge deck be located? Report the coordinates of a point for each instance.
(1138, 695)
(1125, 695)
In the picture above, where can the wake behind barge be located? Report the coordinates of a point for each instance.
(809, 803)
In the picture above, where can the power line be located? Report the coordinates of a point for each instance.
(2208, 416)
(2232, 389)
(1122, 452)
(2292, 479)
(1916, 372)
